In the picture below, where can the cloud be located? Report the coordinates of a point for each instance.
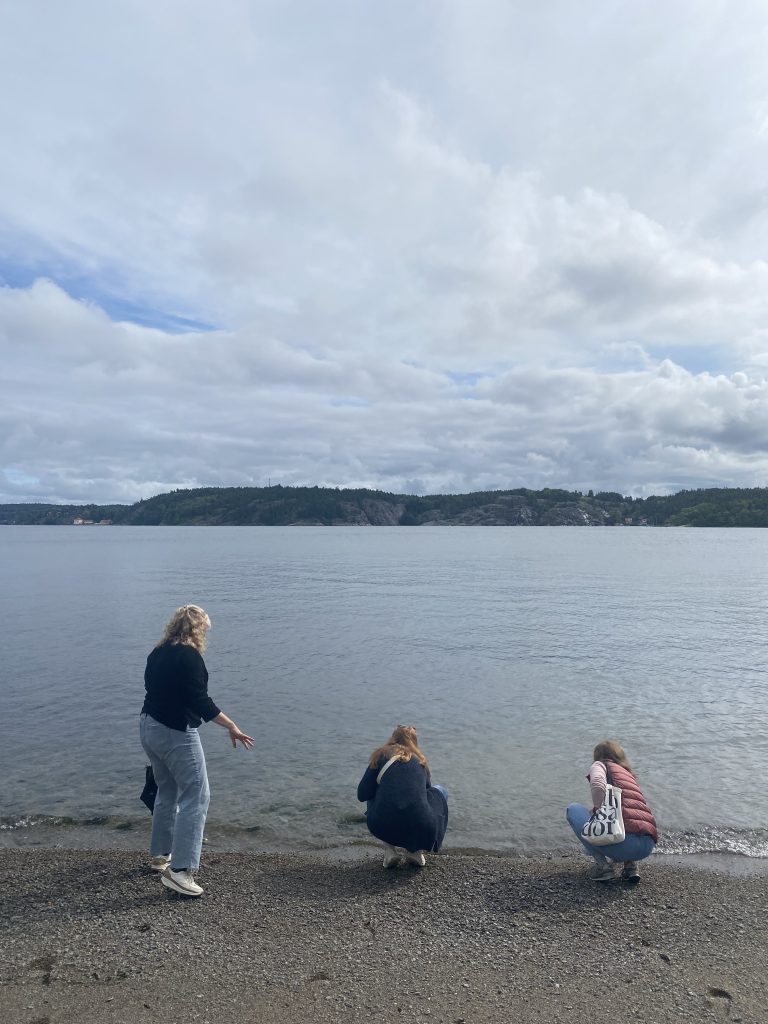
(113, 411)
(441, 247)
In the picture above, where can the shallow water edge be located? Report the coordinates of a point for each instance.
(729, 852)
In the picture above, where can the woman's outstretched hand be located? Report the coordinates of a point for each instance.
(236, 735)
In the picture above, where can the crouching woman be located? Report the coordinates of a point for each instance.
(405, 811)
(610, 766)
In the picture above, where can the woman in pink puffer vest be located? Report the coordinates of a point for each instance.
(611, 766)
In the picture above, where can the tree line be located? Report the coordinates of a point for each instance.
(284, 506)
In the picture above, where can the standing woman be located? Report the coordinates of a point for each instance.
(404, 809)
(176, 703)
(611, 766)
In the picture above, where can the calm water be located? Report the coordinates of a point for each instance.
(512, 650)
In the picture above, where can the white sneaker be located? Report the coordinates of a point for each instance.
(159, 863)
(391, 856)
(417, 858)
(182, 882)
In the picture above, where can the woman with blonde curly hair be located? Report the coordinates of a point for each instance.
(176, 703)
(405, 811)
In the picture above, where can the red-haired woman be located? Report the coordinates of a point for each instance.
(405, 811)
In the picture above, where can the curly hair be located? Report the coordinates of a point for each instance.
(403, 744)
(187, 625)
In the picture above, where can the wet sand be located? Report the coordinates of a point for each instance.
(92, 937)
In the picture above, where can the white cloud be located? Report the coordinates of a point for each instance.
(116, 411)
(441, 247)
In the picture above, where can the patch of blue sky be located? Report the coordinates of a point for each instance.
(103, 292)
(19, 478)
(631, 356)
(467, 382)
(695, 360)
(466, 379)
(350, 401)
(146, 316)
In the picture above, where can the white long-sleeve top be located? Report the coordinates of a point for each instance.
(598, 780)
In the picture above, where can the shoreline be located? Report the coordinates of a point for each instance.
(96, 835)
(132, 835)
(92, 936)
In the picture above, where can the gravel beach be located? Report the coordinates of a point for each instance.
(92, 937)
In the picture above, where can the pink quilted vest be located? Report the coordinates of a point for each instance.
(638, 819)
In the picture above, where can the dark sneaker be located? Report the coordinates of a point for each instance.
(159, 863)
(630, 874)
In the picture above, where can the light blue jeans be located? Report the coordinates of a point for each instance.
(634, 847)
(181, 804)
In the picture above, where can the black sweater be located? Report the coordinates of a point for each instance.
(176, 681)
(404, 809)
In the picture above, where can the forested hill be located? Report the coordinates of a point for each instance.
(320, 506)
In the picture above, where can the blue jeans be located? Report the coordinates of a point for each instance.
(181, 804)
(634, 847)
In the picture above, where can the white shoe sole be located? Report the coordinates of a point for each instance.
(170, 884)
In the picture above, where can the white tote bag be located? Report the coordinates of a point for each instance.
(606, 825)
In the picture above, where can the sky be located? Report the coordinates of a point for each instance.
(416, 246)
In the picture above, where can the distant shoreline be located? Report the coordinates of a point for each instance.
(325, 506)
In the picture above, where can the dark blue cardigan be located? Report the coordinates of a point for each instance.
(404, 809)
